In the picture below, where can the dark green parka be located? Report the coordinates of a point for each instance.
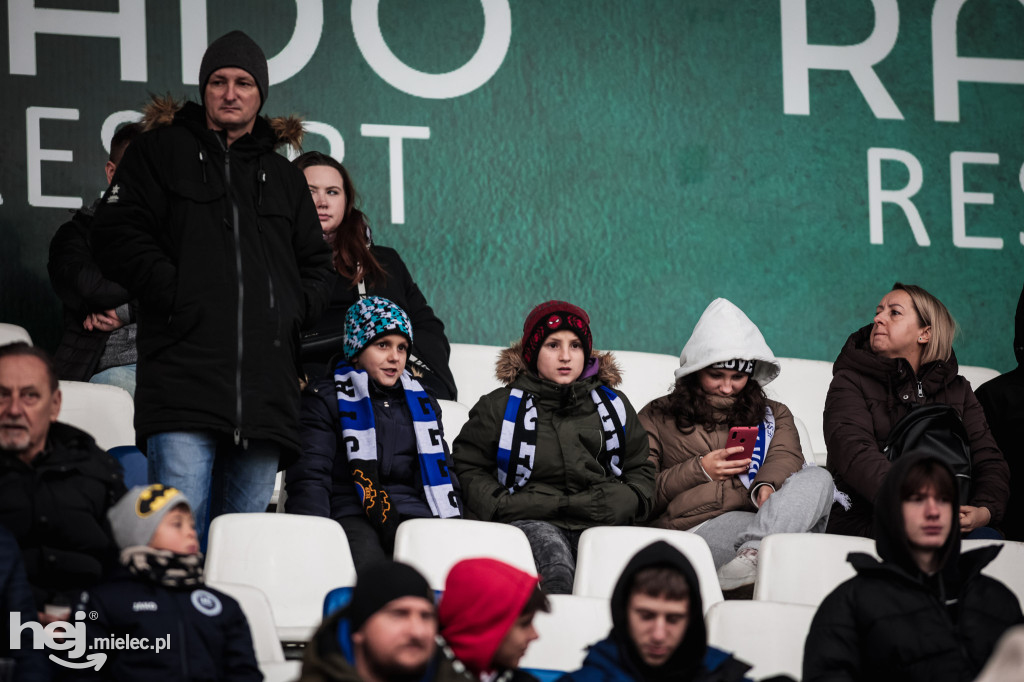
(568, 488)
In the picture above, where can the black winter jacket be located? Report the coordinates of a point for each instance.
(894, 622)
(1003, 402)
(82, 289)
(429, 345)
(57, 511)
(222, 247)
(204, 632)
(319, 482)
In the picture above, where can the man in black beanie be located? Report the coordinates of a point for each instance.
(386, 633)
(217, 237)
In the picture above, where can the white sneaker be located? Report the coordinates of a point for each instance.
(741, 571)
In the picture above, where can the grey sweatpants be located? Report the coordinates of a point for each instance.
(801, 505)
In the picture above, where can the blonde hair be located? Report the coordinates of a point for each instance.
(931, 313)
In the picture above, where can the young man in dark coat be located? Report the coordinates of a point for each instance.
(1003, 402)
(658, 630)
(55, 485)
(218, 238)
(98, 343)
(925, 612)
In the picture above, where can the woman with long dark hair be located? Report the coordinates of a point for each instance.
(366, 269)
(716, 491)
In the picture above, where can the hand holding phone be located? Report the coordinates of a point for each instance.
(742, 436)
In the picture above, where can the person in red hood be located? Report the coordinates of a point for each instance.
(486, 617)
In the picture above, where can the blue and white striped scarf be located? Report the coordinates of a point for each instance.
(765, 433)
(359, 438)
(517, 443)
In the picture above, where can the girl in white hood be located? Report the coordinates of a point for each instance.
(732, 504)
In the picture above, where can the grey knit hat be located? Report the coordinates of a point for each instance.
(240, 51)
(136, 515)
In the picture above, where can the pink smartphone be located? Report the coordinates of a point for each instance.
(742, 436)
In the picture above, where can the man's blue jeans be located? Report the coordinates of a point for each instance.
(217, 476)
(122, 377)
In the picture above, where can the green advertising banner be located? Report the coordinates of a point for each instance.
(637, 157)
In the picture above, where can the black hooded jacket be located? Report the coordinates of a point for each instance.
(894, 622)
(222, 247)
(617, 658)
(1003, 402)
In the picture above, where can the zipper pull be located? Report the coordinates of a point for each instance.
(238, 436)
(920, 390)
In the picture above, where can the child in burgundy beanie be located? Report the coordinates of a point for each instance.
(558, 448)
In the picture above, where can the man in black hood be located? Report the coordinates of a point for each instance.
(924, 612)
(658, 628)
(1003, 402)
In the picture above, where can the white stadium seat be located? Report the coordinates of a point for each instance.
(803, 568)
(605, 550)
(106, 413)
(1008, 567)
(433, 546)
(267, 647)
(472, 367)
(10, 333)
(574, 624)
(453, 417)
(768, 635)
(295, 560)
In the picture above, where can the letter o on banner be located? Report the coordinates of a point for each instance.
(467, 78)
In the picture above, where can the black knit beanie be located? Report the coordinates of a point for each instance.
(240, 51)
(380, 583)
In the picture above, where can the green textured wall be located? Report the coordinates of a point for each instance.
(632, 156)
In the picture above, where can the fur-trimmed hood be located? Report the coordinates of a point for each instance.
(511, 364)
(161, 110)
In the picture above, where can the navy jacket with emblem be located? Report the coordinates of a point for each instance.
(209, 637)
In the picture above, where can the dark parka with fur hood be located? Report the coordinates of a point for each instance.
(893, 622)
(222, 247)
(569, 487)
(868, 395)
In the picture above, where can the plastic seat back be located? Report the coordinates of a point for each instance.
(1007, 567)
(605, 550)
(295, 560)
(12, 333)
(574, 624)
(768, 635)
(803, 568)
(106, 413)
(433, 546)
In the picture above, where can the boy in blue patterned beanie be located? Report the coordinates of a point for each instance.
(372, 439)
